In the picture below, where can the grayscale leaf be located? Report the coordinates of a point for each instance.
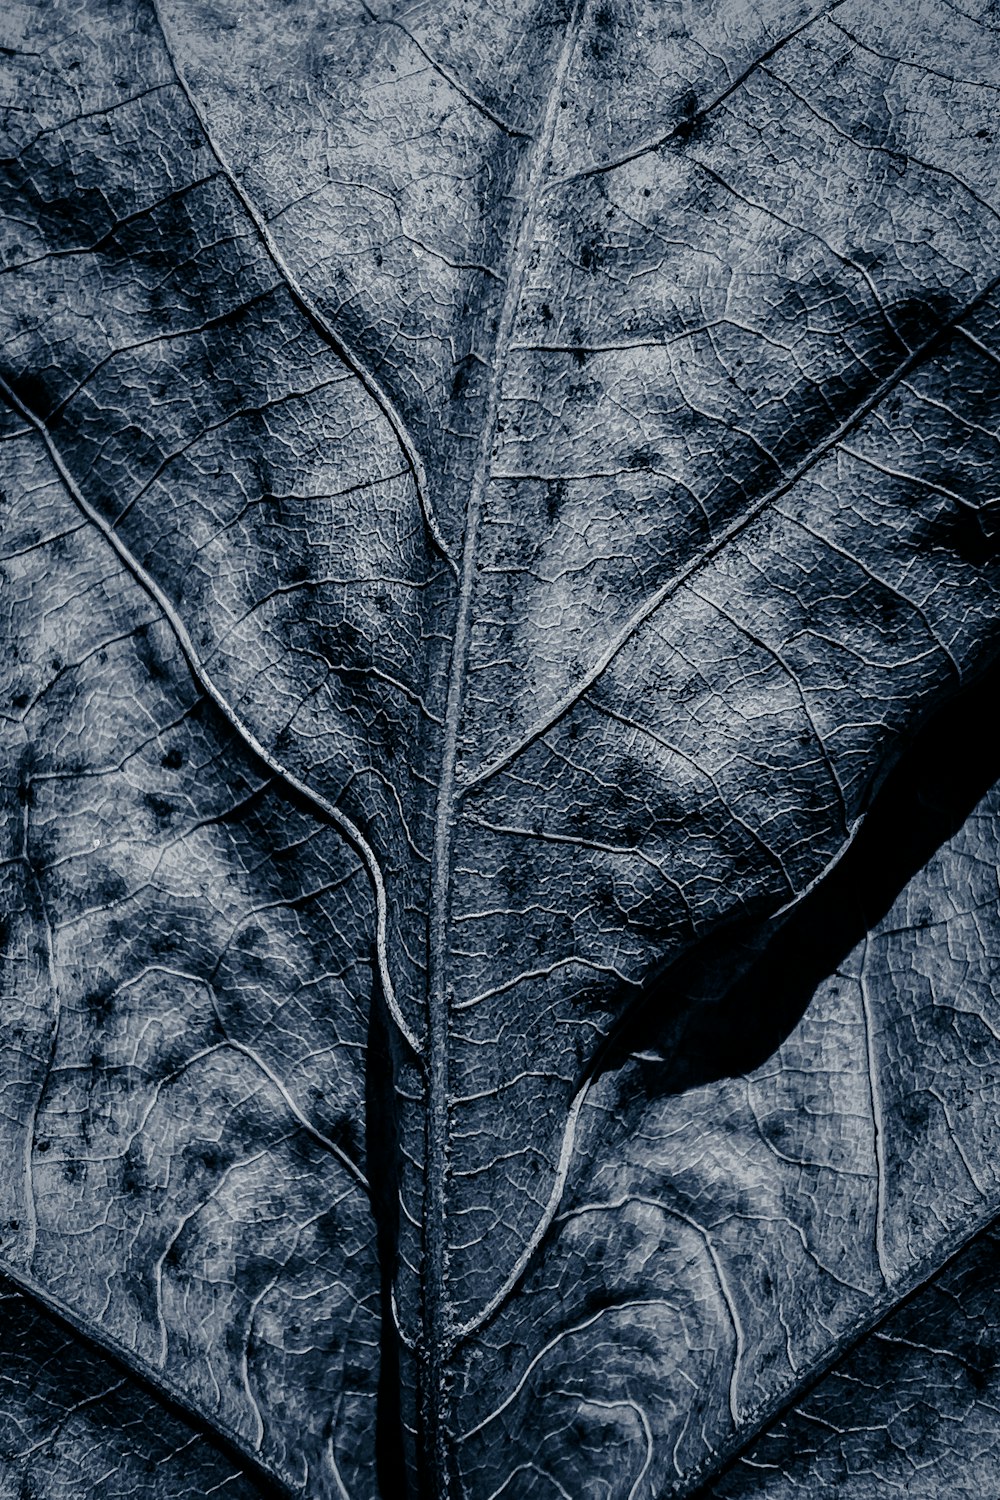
(500, 513)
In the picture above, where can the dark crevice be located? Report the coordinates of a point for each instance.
(382, 1164)
(731, 999)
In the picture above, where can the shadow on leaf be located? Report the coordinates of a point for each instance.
(729, 1003)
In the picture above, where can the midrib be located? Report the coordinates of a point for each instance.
(436, 1319)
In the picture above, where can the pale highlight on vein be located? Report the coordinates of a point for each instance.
(350, 830)
(631, 1305)
(333, 338)
(542, 1225)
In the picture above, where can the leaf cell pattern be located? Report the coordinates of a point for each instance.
(499, 532)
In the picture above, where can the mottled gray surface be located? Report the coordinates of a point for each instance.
(491, 490)
(913, 1411)
(73, 1423)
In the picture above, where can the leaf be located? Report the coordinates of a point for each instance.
(913, 1409)
(62, 1401)
(536, 470)
(184, 1050)
(853, 1157)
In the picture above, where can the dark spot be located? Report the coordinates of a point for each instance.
(601, 44)
(173, 760)
(33, 392)
(171, 1059)
(344, 1133)
(921, 315)
(546, 312)
(100, 1005)
(344, 634)
(460, 380)
(162, 810)
(149, 655)
(165, 945)
(981, 1362)
(110, 888)
(915, 1111)
(889, 607)
(358, 1377)
(589, 255)
(690, 118)
(330, 1231)
(973, 533)
(25, 785)
(555, 495)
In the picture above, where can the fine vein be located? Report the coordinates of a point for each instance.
(322, 324)
(438, 1333)
(333, 814)
(649, 606)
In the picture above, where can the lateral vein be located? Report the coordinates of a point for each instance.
(348, 828)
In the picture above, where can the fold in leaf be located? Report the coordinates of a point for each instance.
(718, 570)
(726, 1230)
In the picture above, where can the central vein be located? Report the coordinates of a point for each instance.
(437, 1321)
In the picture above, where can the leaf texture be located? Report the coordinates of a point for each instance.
(853, 1159)
(492, 492)
(185, 1063)
(912, 1411)
(74, 1425)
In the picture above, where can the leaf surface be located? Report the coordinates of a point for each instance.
(75, 1425)
(184, 1116)
(765, 1172)
(913, 1410)
(546, 457)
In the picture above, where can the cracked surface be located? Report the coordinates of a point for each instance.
(492, 490)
